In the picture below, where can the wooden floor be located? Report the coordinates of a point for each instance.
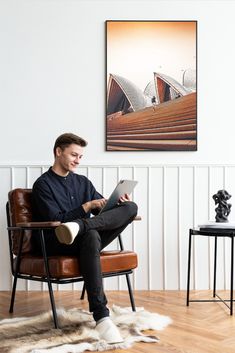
(199, 328)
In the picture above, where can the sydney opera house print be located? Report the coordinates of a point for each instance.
(162, 116)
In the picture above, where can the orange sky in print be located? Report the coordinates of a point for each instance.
(137, 49)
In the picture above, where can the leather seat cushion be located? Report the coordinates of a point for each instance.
(68, 266)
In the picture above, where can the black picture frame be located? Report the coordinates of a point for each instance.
(151, 85)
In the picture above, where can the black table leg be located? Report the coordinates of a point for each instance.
(189, 265)
(215, 265)
(231, 290)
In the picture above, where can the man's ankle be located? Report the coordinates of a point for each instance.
(102, 319)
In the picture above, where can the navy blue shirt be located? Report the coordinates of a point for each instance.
(57, 198)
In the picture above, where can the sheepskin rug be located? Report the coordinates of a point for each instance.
(77, 331)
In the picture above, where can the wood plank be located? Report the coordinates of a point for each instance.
(181, 135)
(153, 130)
(158, 124)
(161, 145)
(121, 148)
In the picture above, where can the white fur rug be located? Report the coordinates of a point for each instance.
(77, 331)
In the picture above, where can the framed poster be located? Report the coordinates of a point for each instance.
(151, 80)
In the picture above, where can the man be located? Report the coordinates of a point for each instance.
(62, 195)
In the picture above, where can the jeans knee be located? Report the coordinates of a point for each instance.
(92, 241)
(131, 208)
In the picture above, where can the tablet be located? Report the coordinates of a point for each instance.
(123, 187)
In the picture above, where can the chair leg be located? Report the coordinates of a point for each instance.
(83, 292)
(128, 279)
(13, 294)
(53, 307)
(17, 268)
(130, 292)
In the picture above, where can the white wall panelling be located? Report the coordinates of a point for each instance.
(171, 199)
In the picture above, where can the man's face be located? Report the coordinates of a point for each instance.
(69, 158)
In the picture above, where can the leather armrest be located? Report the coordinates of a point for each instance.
(35, 225)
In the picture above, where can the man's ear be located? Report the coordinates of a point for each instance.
(58, 151)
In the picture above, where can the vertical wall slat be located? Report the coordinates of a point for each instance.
(210, 240)
(186, 221)
(156, 219)
(164, 229)
(229, 185)
(5, 184)
(201, 243)
(178, 227)
(149, 233)
(171, 227)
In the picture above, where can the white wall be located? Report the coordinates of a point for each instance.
(52, 80)
(52, 76)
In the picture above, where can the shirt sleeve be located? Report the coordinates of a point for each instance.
(46, 207)
(95, 195)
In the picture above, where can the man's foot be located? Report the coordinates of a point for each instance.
(108, 331)
(67, 232)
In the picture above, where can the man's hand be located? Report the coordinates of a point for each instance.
(124, 198)
(91, 205)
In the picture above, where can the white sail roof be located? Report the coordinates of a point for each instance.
(135, 96)
(150, 91)
(172, 83)
(189, 79)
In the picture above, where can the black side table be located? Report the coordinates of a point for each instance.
(229, 233)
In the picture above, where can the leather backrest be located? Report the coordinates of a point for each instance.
(20, 210)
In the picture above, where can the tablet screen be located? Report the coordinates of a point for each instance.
(123, 187)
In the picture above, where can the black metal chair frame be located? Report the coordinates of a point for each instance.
(48, 279)
(213, 233)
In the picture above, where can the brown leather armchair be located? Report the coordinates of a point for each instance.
(52, 269)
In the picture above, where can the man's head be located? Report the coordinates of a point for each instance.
(68, 150)
(67, 139)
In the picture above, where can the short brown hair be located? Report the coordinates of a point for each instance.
(67, 139)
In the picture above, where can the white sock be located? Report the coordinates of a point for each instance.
(102, 319)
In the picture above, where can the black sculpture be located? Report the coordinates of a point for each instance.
(223, 209)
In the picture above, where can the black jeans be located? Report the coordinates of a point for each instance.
(98, 232)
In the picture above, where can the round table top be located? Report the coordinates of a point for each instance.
(213, 231)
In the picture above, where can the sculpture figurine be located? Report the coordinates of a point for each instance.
(223, 209)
